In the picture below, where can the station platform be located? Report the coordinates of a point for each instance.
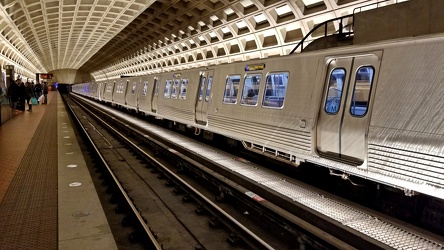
(47, 197)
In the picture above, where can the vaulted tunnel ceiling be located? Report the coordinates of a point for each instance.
(109, 38)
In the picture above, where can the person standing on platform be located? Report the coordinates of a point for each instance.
(38, 90)
(29, 94)
(13, 94)
(45, 93)
(21, 96)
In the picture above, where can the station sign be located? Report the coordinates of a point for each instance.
(46, 76)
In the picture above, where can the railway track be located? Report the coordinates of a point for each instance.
(163, 207)
(177, 198)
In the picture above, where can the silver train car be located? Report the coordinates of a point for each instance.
(372, 111)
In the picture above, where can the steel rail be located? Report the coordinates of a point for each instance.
(236, 225)
(155, 244)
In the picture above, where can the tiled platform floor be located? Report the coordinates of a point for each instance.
(38, 205)
(28, 153)
(15, 136)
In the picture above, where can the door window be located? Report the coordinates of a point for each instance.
(133, 90)
(202, 86)
(334, 94)
(156, 87)
(207, 95)
(361, 91)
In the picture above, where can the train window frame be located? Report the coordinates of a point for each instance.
(208, 91)
(145, 88)
(167, 91)
(328, 104)
(175, 88)
(133, 89)
(232, 94)
(183, 88)
(353, 105)
(202, 81)
(249, 96)
(280, 102)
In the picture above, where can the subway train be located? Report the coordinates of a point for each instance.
(372, 111)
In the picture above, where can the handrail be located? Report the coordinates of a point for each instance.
(377, 5)
(301, 43)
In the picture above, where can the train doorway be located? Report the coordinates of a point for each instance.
(203, 96)
(344, 112)
(155, 94)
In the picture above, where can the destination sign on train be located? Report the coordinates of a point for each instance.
(253, 67)
(177, 75)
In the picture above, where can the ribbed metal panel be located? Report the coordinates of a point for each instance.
(427, 168)
(178, 114)
(280, 138)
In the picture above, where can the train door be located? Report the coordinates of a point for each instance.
(344, 112)
(203, 96)
(100, 91)
(155, 95)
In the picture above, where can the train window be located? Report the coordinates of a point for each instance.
(118, 88)
(145, 88)
(201, 87)
(275, 90)
(207, 95)
(183, 89)
(361, 91)
(334, 95)
(167, 91)
(133, 91)
(175, 88)
(231, 89)
(251, 89)
(156, 87)
(121, 88)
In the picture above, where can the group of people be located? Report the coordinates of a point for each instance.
(19, 92)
